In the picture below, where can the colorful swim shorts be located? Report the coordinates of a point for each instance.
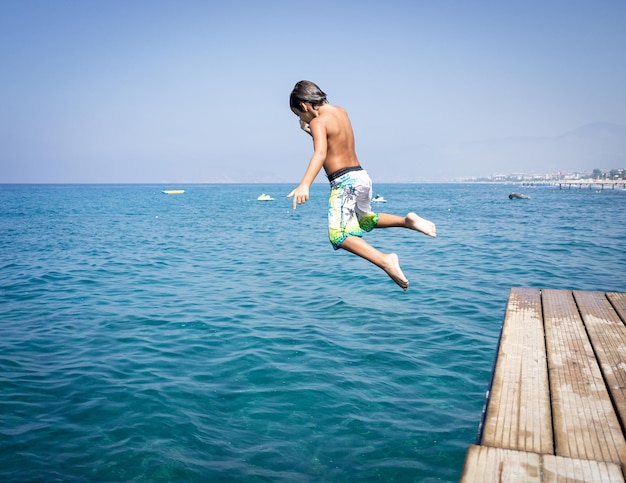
(349, 209)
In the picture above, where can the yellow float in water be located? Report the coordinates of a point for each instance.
(173, 192)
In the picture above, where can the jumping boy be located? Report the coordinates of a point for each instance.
(349, 209)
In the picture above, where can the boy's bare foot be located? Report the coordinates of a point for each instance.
(392, 268)
(417, 223)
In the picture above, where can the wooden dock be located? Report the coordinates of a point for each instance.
(556, 408)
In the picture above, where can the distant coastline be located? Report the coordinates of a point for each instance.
(597, 175)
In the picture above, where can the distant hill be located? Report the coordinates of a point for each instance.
(599, 131)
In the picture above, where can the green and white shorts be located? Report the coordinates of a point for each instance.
(349, 205)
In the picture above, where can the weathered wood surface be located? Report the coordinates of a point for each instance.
(518, 416)
(556, 409)
(485, 464)
(618, 300)
(607, 334)
(585, 423)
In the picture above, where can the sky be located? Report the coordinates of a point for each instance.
(182, 92)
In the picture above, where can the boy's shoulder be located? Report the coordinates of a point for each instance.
(336, 107)
(333, 111)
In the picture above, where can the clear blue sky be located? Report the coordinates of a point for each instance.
(197, 91)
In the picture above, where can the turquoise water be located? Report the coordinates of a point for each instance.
(211, 337)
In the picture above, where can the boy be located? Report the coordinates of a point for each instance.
(349, 210)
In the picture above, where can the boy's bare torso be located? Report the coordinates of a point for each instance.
(340, 152)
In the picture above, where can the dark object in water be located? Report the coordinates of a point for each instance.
(518, 196)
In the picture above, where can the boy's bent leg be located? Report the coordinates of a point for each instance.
(385, 220)
(412, 221)
(387, 261)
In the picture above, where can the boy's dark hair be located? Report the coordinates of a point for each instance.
(306, 91)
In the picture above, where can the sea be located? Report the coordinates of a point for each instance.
(208, 336)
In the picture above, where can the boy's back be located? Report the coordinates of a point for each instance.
(340, 152)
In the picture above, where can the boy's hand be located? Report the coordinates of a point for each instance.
(300, 195)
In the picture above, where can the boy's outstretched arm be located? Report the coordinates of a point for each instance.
(301, 193)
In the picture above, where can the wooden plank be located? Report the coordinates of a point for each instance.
(608, 338)
(485, 464)
(518, 415)
(561, 469)
(494, 465)
(585, 423)
(618, 300)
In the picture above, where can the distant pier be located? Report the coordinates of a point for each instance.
(556, 408)
(591, 183)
